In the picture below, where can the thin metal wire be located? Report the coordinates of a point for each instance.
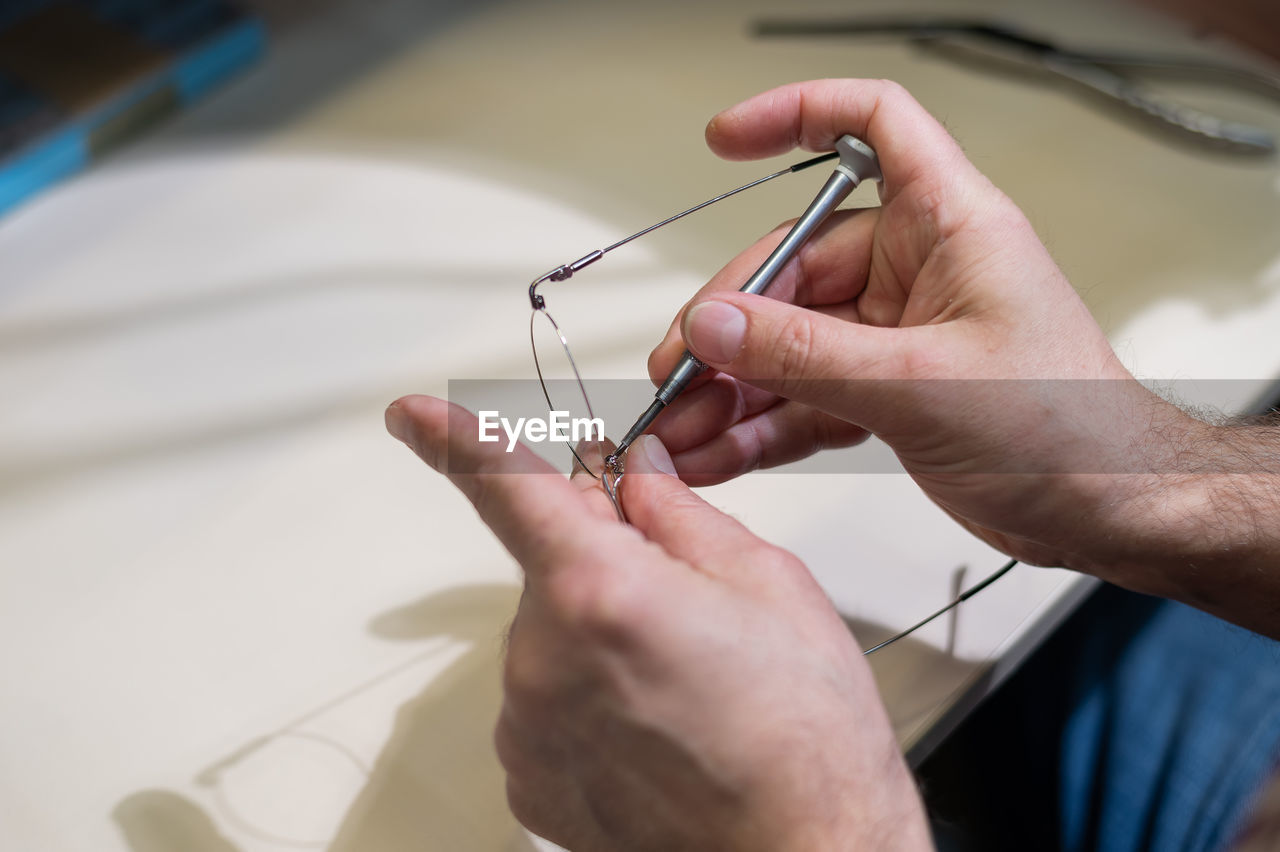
(573, 365)
(694, 209)
(1004, 569)
(611, 473)
(566, 270)
(812, 161)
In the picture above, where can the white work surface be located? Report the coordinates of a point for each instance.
(236, 615)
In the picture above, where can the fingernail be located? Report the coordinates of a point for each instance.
(655, 454)
(715, 331)
(397, 422)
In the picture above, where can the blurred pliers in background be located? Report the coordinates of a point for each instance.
(1111, 75)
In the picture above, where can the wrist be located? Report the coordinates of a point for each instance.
(893, 818)
(1200, 524)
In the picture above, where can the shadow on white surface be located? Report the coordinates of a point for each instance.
(436, 783)
(165, 821)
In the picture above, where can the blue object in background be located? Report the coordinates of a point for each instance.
(208, 41)
(1170, 740)
(1141, 725)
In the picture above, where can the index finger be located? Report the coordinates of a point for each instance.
(537, 514)
(910, 143)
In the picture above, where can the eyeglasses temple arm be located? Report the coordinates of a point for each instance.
(566, 271)
(1004, 569)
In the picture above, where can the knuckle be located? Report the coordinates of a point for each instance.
(891, 91)
(482, 495)
(783, 561)
(794, 581)
(657, 361)
(930, 204)
(778, 563)
(793, 345)
(747, 446)
(505, 745)
(598, 604)
(526, 680)
(481, 487)
(524, 807)
(822, 436)
(1010, 219)
(422, 449)
(926, 362)
(889, 98)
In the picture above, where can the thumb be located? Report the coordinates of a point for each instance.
(802, 354)
(668, 513)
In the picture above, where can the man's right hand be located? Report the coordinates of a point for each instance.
(939, 323)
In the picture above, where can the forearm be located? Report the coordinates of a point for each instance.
(1205, 529)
